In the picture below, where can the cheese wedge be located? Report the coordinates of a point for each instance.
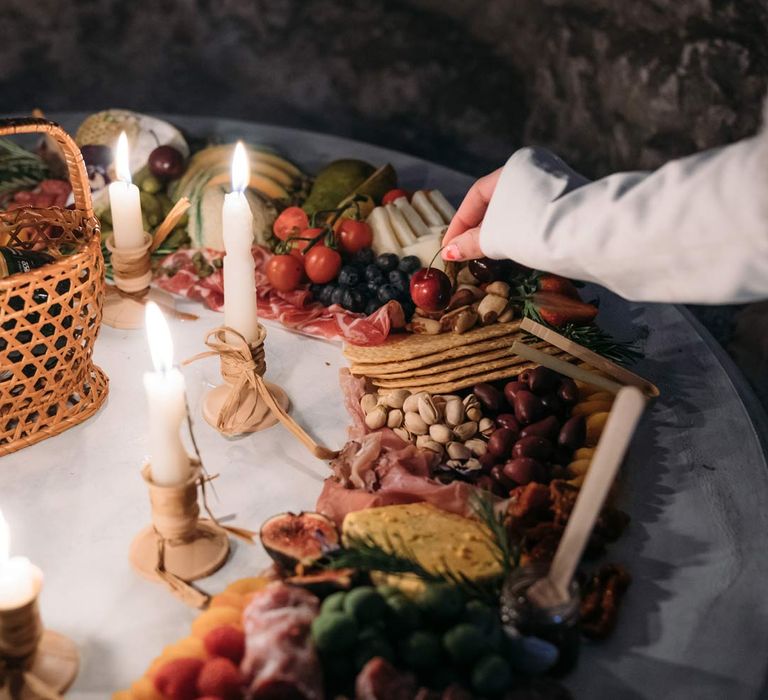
(443, 206)
(384, 239)
(405, 235)
(412, 217)
(437, 539)
(423, 205)
(425, 250)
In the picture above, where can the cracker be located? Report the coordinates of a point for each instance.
(395, 371)
(407, 346)
(439, 376)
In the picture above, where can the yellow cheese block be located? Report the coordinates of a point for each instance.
(438, 540)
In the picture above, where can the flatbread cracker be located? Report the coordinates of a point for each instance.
(447, 365)
(466, 382)
(446, 376)
(373, 369)
(408, 346)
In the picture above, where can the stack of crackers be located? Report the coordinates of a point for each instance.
(447, 362)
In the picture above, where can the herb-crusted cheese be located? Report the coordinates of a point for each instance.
(439, 540)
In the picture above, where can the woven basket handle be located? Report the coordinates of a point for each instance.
(78, 176)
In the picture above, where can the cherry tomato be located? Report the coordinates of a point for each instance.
(322, 264)
(355, 235)
(299, 246)
(291, 222)
(392, 195)
(284, 272)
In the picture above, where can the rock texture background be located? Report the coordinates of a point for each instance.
(609, 84)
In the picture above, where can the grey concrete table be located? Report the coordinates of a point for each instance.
(695, 622)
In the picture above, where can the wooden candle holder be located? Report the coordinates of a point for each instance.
(239, 406)
(178, 543)
(124, 303)
(35, 661)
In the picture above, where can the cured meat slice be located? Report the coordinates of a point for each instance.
(280, 660)
(197, 274)
(380, 680)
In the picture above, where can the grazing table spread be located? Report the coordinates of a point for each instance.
(694, 622)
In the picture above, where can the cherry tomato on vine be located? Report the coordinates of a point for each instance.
(291, 222)
(354, 235)
(284, 272)
(298, 245)
(392, 195)
(322, 264)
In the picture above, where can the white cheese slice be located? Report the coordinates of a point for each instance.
(400, 225)
(427, 211)
(443, 206)
(412, 217)
(425, 250)
(384, 239)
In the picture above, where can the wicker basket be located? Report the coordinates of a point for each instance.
(50, 316)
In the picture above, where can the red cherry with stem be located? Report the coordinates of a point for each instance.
(166, 163)
(430, 288)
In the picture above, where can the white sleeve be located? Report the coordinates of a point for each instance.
(694, 231)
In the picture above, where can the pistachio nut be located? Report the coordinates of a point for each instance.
(476, 446)
(377, 418)
(473, 464)
(486, 426)
(395, 418)
(395, 398)
(465, 431)
(457, 450)
(368, 402)
(403, 434)
(411, 404)
(429, 413)
(415, 424)
(441, 433)
(454, 412)
(427, 443)
(472, 407)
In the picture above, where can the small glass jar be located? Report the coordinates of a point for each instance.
(557, 625)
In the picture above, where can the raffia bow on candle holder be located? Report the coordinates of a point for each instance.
(132, 271)
(248, 402)
(179, 546)
(34, 662)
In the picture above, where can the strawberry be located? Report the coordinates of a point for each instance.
(220, 678)
(177, 680)
(558, 309)
(228, 642)
(558, 285)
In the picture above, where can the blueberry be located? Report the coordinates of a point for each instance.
(409, 264)
(387, 293)
(316, 290)
(373, 288)
(373, 273)
(349, 276)
(337, 295)
(398, 279)
(364, 256)
(325, 294)
(387, 261)
(352, 300)
(362, 289)
(371, 306)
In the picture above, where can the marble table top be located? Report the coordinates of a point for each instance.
(695, 622)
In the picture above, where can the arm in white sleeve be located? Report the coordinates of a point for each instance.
(694, 231)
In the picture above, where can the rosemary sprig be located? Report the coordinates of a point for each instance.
(507, 552)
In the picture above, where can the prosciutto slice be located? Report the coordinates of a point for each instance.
(280, 660)
(181, 275)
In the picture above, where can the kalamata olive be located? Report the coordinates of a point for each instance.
(511, 389)
(553, 403)
(573, 433)
(533, 446)
(486, 269)
(507, 420)
(523, 470)
(489, 396)
(487, 461)
(528, 407)
(484, 482)
(498, 475)
(500, 443)
(568, 391)
(542, 380)
(547, 428)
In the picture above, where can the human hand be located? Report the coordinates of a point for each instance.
(462, 239)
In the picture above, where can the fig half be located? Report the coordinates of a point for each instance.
(298, 540)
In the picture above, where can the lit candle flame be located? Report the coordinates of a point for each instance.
(241, 169)
(159, 338)
(5, 540)
(122, 161)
